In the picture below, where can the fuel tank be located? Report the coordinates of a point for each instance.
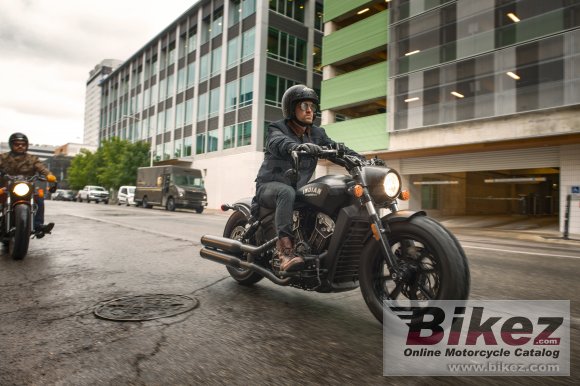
(327, 193)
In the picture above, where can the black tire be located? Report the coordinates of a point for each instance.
(199, 210)
(439, 264)
(170, 206)
(18, 244)
(79, 199)
(106, 202)
(233, 229)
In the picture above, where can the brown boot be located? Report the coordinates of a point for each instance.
(289, 261)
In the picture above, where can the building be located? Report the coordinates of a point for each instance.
(93, 99)
(73, 149)
(205, 88)
(476, 103)
(43, 152)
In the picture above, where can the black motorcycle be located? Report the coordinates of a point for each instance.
(344, 241)
(17, 215)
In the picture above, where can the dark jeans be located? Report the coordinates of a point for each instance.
(278, 196)
(39, 216)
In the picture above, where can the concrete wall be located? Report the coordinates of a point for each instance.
(570, 176)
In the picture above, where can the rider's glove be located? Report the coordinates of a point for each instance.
(310, 148)
(50, 178)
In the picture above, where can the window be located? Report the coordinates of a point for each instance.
(204, 67)
(153, 94)
(233, 52)
(181, 79)
(217, 23)
(231, 95)
(200, 143)
(179, 115)
(162, 90)
(216, 61)
(169, 119)
(318, 17)
(191, 41)
(212, 140)
(317, 59)
(160, 122)
(248, 39)
(177, 149)
(190, 74)
(188, 111)
(293, 9)
(275, 88)
(170, 90)
(286, 48)
(214, 102)
(187, 146)
(229, 137)
(202, 107)
(246, 88)
(244, 133)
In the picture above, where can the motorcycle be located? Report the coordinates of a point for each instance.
(344, 241)
(17, 214)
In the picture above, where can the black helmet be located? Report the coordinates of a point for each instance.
(18, 137)
(294, 95)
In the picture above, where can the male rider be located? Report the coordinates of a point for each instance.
(19, 162)
(274, 188)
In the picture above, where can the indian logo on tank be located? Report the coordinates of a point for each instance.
(310, 191)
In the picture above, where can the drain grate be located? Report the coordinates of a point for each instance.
(145, 307)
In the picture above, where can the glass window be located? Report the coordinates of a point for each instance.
(204, 67)
(202, 107)
(205, 30)
(188, 111)
(233, 52)
(181, 79)
(293, 9)
(190, 74)
(246, 88)
(235, 13)
(200, 143)
(154, 94)
(231, 95)
(248, 39)
(248, 8)
(217, 23)
(212, 140)
(244, 133)
(179, 114)
(286, 48)
(171, 54)
(216, 61)
(158, 152)
(275, 88)
(160, 122)
(318, 17)
(187, 146)
(191, 41)
(177, 149)
(229, 137)
(170, 90)
(169, 119)
(182, 45)
(214, 102)
(147, 98)
(162, 90)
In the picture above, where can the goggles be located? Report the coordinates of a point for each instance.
(304, 106)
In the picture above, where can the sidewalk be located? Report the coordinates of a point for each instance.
(539, 229)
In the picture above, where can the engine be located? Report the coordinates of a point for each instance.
(312, 232)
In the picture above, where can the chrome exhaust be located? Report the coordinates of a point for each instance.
(234, 262)
(235, 247)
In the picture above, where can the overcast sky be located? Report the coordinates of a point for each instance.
(48, 48)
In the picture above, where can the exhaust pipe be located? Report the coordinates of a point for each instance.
(234, 246)
(234, 262)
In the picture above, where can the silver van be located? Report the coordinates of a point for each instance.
(126, 195)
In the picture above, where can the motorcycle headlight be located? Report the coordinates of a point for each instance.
(21, 189)
(392, 185)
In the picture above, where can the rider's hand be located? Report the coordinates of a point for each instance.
(310, 148)
(50, 178)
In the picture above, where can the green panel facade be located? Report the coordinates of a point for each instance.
(358, 86)
(355, 39)
(337, 8)
(363, 134)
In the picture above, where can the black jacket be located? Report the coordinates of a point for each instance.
(277, 159)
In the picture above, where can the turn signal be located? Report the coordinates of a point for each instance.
(41, 193)
(405, 195)
(357, 191)
(375, 232)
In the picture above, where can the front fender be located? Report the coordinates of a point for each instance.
(402, 215)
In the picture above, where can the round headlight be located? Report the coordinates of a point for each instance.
(392, 185)
(21, 189)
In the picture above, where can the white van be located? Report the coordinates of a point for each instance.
(126, 195)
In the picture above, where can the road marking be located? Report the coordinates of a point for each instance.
(521, 252)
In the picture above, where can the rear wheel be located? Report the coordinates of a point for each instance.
(434, 266)
(199, 210)
(234, 229)
(145, 203)
(170, 204)
(18, 244)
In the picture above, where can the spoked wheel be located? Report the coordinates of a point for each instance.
(234, 230)
(432, 263)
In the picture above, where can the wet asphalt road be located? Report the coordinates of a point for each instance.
(240, 336)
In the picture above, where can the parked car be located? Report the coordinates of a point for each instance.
(93, 193)
(126, 195)
(63, 195)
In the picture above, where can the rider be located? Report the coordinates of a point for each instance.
(19, 162)
(274, 188)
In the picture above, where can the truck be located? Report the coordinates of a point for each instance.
(170, 186)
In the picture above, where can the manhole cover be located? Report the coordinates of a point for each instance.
(145, 307)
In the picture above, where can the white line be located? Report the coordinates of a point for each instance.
(521, 252)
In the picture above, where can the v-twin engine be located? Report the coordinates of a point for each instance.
(320, 232)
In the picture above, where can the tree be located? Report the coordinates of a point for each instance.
(114, 164)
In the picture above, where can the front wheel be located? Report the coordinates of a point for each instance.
(434, 266)
(170, 204)
(18, 244)
(234, 229)
(199, 210)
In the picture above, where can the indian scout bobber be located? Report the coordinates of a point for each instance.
(17, 214)
(344, 241)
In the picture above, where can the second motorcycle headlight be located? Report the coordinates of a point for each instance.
(21, 189)
(392, 184)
